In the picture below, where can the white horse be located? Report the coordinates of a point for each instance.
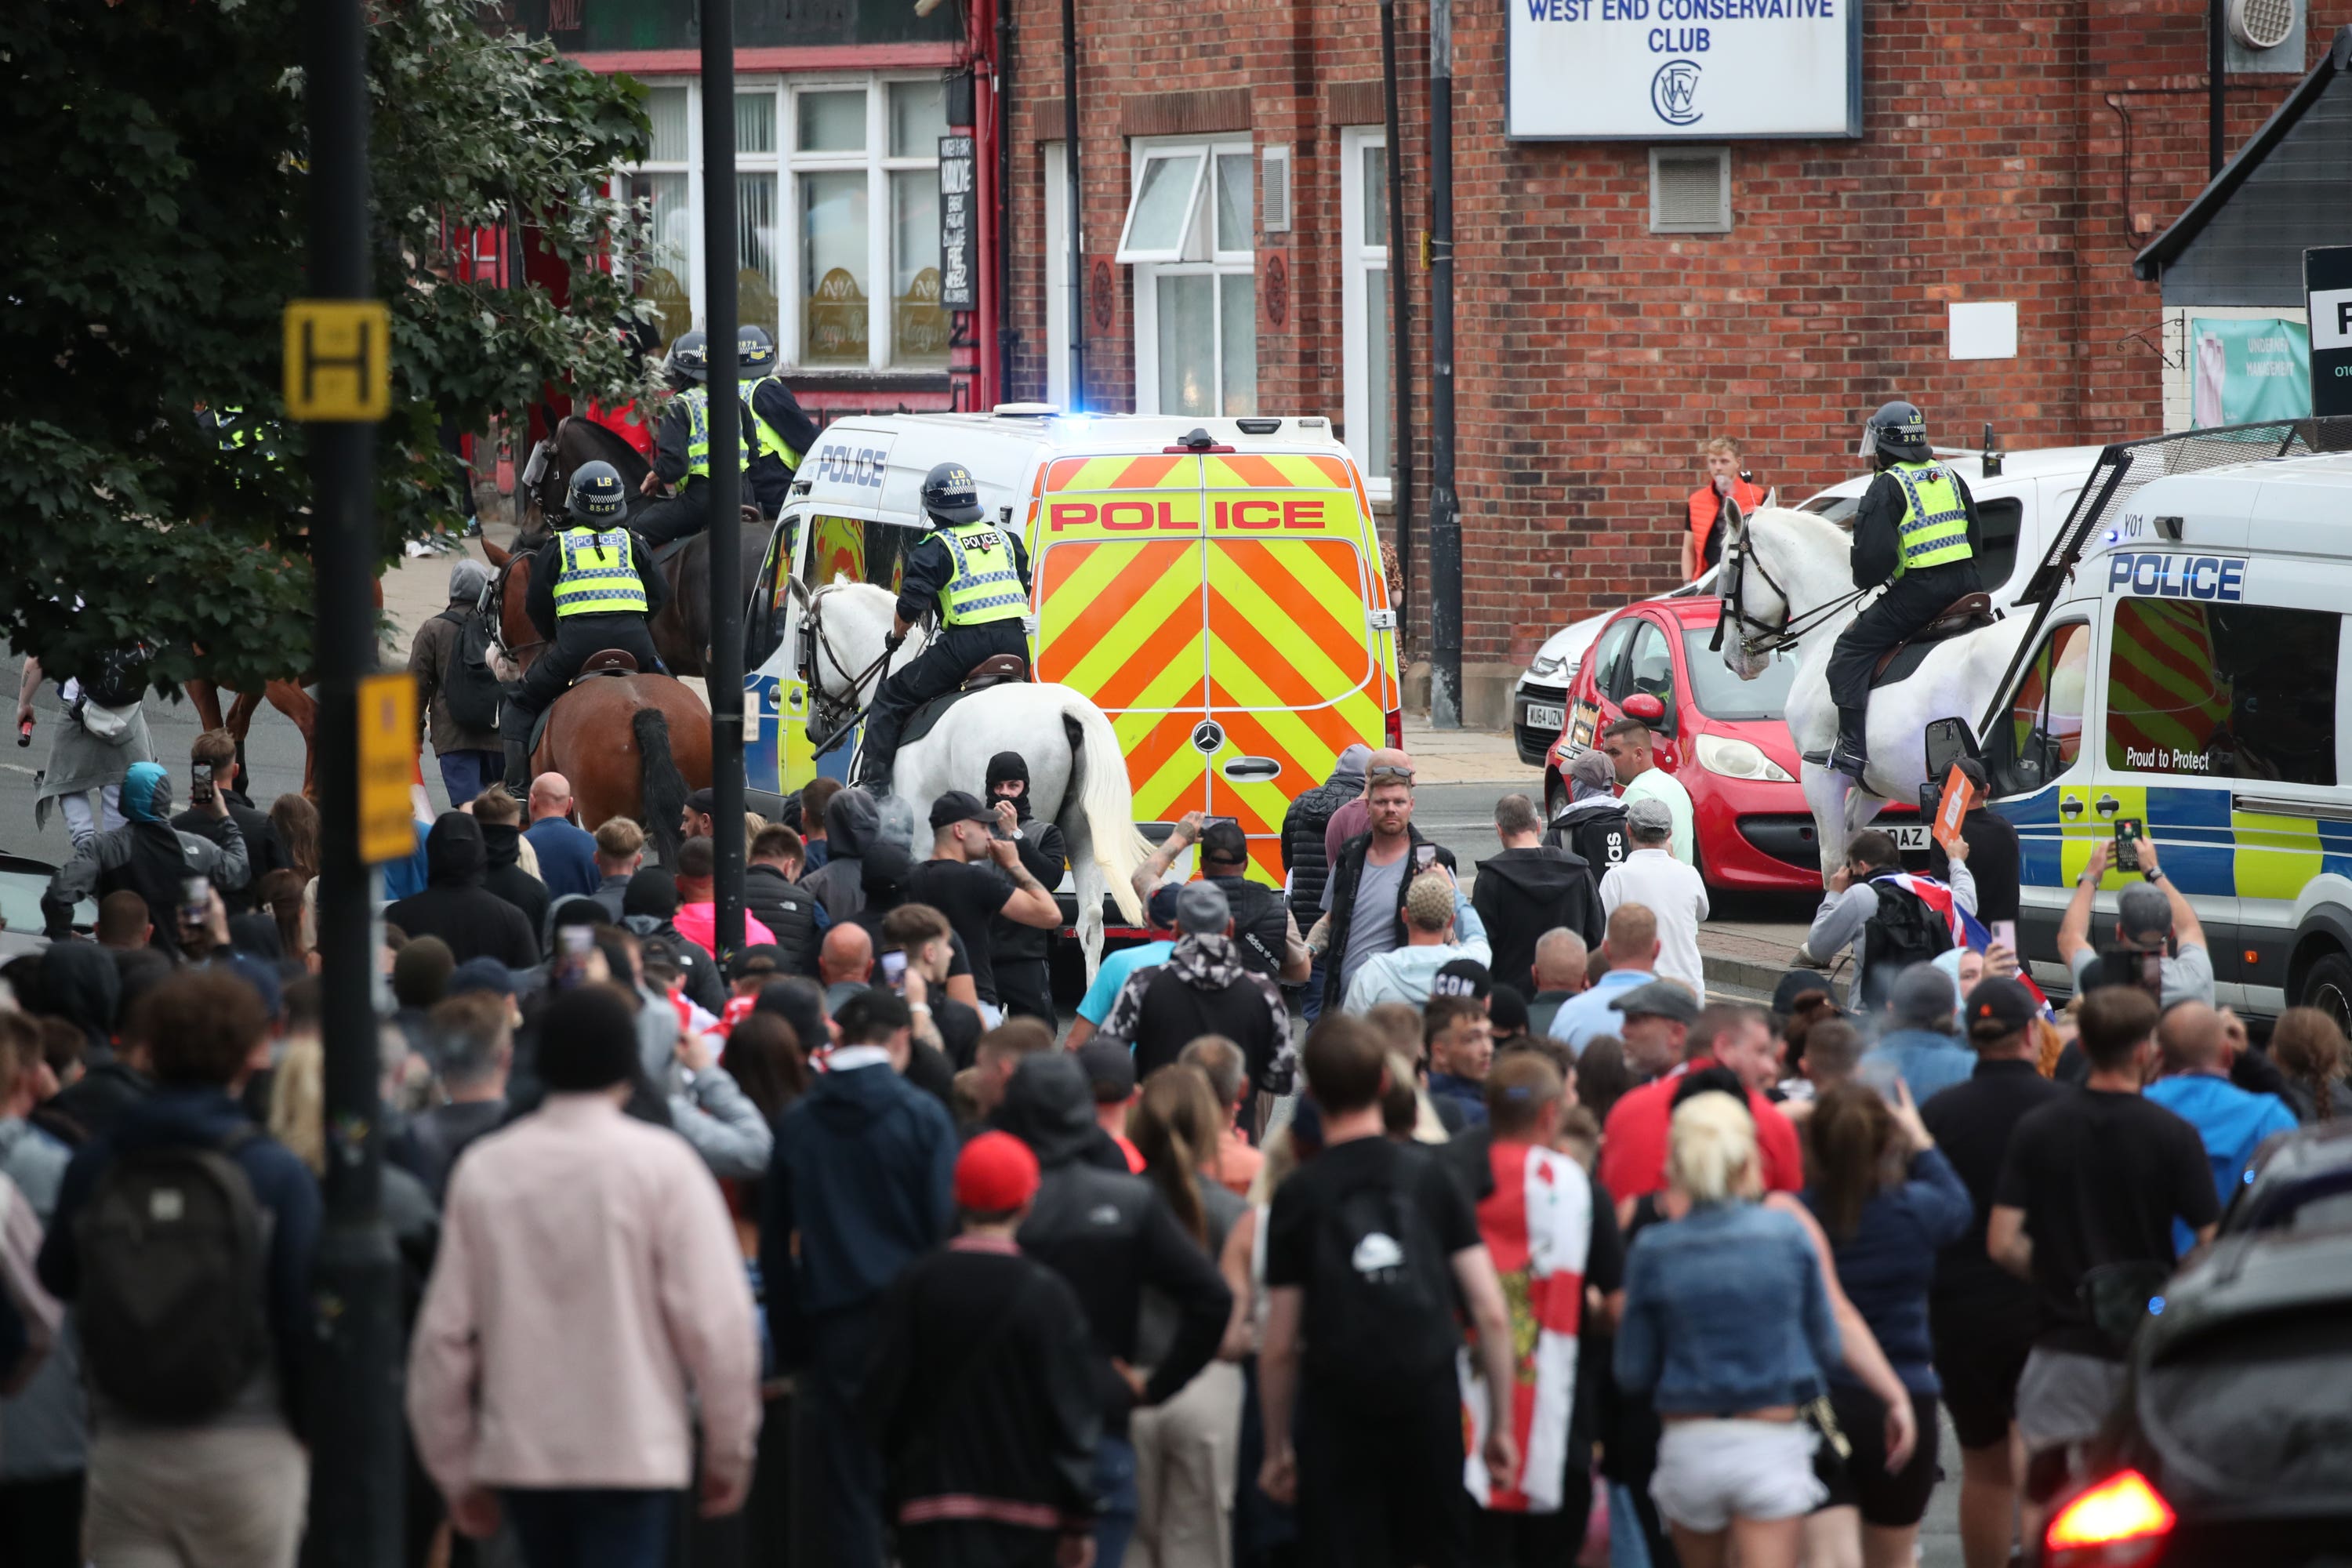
(1077, 774)
(1781, 566)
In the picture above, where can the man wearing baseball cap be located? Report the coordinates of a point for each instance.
(972, 877)
(983, 1392)
(2153, 918)
(1653, 877)
(1205, 988)
(1265, 937)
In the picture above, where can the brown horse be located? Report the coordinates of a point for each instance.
(681, 632)
(632, 745)
(286, 696)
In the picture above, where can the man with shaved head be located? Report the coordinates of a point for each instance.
(844, 963)
(2230, 1122)
(567, 854)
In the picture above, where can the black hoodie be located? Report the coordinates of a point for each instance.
(1042, 851)
(456, 907)
(1109, 1235)
(1522, 893)
(505, 876)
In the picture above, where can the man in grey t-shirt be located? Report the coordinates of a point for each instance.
(1372, 871)
(2153, 918)
(1380, 893)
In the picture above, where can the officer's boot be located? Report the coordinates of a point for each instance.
(518, 779)
(1851, 755)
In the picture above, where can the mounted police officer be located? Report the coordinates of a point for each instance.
(593, 586)
(682, 446)
(1916, 531)
(783, 431)
(977, 575)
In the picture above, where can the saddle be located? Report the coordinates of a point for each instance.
(1968, 613)
(997, 670)
(604, 662)
(753, 519)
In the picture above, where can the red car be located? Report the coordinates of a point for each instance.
(1723, 737)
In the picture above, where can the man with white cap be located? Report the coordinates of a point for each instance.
(1667, 887)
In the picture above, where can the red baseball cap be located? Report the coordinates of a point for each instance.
(996, 1174)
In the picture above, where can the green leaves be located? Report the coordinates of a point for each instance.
(152, 157)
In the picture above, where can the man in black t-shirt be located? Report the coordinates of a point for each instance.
(1981, 1317)
(1366, 1248)
(2084, 1208)
(972, 877)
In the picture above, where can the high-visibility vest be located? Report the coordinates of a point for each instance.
(771, 442)
(597, 576)
(1934, 529)
(985, 587)
(697, 435)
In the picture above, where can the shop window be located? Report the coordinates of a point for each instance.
(2223, 692)
(1190, 234)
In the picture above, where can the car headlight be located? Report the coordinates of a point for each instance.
(1736, 759)
(1546, 667)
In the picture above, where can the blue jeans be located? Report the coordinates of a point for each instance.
(1115, 1484)
(1311, 1004)
(466, 775)
(591, 1527)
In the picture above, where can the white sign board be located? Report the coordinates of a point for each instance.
(1983, 331)
(1653, 71)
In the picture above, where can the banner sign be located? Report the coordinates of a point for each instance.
(2327, 289)
(1710, 70)
(959, 237)
(2246, 370)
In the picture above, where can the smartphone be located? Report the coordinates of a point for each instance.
(1424, 855)
(199, 783)
(195, 900)
(894, 970)
(2128, 837)
(2005, 933)
(574, 945)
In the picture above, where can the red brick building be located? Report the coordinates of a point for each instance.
(2012, 154)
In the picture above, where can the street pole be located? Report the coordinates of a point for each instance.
(1444, 505)
(1001, 107)
(2216, 71)
(724, 661)
(356, 1453)
(1073, 208)
(1399, 331)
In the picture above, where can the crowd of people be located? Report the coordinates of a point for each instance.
(839, 1248)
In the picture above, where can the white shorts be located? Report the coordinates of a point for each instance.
(1710, 1472)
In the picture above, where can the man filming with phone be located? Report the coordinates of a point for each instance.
(214, 769)
(2152, 921)
(1266, 936)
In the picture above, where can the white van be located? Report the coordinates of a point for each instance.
(2192, 674)
(2021, 498)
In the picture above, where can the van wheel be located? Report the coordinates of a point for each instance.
(2328, 987)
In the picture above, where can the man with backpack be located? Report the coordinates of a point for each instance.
(1891, 919)
(1592, 825)
(457, 688)
(187, 1216)
(1366, 1248)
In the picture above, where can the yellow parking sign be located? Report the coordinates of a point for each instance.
(338, 359)
(387, 716)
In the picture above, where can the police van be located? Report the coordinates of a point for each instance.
(1215, 586)
(2188, 673)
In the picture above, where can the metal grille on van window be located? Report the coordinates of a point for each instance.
(1690, 191)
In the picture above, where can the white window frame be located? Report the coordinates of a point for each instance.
(787, 164)
(1207, 260)
(1184, 249)
(1359, 261)
(1057, 276)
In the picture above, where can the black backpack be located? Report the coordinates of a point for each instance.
(121, 678)
(1379, 1298)
(171, 1309)
(1902, 932)
(1598, 835)
(468, 684)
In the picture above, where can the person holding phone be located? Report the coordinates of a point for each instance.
(1266, 936)
(150, 857)
(2152, 917)
(214, 769)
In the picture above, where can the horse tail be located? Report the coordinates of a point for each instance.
(1104, 796)
(660, 786)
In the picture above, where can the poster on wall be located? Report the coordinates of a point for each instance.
(2243, 371)
(1708, 70)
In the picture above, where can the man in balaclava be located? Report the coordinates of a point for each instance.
(1023, 971)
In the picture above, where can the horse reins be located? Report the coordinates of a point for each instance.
(1770, 638)
(851, 707)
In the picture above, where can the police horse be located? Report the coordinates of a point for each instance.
(1787, 585)
(1077, 774)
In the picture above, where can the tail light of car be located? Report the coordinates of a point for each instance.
(1396, 729)
(2122, 1522)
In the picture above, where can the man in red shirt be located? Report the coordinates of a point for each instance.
(698, 908)
(1633, 1144)
(1702, 544)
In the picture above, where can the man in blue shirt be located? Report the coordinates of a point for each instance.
(2230, 1122)
(567, 853)
(1631, 951)
(1112, 974)
(1920, 1046)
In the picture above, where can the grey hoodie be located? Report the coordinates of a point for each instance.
(852, 823)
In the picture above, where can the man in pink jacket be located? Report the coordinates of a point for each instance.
(698, 908)
(588, 1299)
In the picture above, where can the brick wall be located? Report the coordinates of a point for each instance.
(1593, 355)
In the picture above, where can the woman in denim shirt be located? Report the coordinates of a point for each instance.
(1890, 1204)
(1728, 1328)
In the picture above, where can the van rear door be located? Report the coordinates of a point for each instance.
(1297, 670)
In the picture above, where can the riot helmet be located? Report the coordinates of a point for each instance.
(1898, 433)
(755, 354)
(949, 496)
(690, 357)
(597, 495)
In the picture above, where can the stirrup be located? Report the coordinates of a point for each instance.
(1849, 759)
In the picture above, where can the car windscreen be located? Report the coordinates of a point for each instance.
(1837, 509)
(1723, 695)
(2261, 1406)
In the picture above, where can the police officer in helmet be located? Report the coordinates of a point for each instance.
(1916, 531)
(593, 586)
(682, 444)
(977, 575)
(782, 431)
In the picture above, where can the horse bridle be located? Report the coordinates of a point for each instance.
(492, 609)
(1770, 638)
(836, 714)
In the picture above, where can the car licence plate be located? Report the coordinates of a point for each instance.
(1911, 836)
(1542, 718)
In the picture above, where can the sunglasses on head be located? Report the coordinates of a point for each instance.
(1390, 775)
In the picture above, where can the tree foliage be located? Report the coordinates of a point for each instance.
(153, 199)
